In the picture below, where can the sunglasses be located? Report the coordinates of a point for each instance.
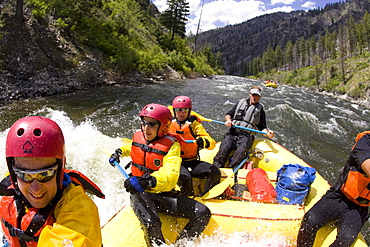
(42, 175)
(149, 124)
(185, 110)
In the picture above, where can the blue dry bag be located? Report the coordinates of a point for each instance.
(293, 183)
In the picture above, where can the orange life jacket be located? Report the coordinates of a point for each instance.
(357, 185)
(147, 158)
(22, 225)
(188, 150)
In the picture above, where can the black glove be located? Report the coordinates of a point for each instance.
(200, 142)
(139, 184)
(115, 156)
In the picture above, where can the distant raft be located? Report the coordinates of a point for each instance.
(271, 84)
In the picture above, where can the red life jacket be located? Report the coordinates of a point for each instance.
(147, 158)
(357, 185)
(22, 225)
(188, 150)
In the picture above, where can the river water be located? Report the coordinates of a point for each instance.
(318, 128)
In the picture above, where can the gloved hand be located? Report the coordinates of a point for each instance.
(115, 156)
(200, 142)
(139, 184)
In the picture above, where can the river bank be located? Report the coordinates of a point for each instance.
(345, 97)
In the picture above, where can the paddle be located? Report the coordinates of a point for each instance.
(187, 141)
(219, 122)
(221, 187)
(236, 126)
(133, 180)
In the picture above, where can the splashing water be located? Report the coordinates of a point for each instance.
(317, 128)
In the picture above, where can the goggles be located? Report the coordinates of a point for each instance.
(185, 110)
(42, 175)
(149, 124)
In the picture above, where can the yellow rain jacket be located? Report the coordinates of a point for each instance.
(76, 220)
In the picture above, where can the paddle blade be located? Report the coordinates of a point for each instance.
(219, 188)
(126, 140)
(200, 116)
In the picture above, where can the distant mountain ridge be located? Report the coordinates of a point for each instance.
(240, 43)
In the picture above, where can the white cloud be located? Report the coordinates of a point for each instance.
(225, 12)
(280, 9)
(221, 13)
(286, 2)
(309, 5)
(160, 4)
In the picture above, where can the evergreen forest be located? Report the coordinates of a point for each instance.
(325, 49)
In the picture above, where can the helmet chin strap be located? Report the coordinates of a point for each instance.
(60, 174)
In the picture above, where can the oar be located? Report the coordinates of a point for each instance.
(126, 140)
(219, 122)
(190, 141)
(133, 180)
(236, 126)
(221, 187)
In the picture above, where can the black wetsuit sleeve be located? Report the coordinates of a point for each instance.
(231, 112)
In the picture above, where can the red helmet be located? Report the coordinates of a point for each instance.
(35, 137)
(160, 113)
(182, 102)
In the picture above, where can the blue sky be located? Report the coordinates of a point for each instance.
(220, 13)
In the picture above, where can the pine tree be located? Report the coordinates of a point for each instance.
(289, 54)
(19, 11)
(352, 35)
(279, 57)
(175, 17)
(342, 41)
(367, 29)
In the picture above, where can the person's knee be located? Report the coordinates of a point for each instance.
(151, 223)
(215, 173)
(185, 178)
(310, 222)
(346, 238)
(202, 212)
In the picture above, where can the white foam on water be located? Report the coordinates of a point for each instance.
(88, 151)
(236, 239)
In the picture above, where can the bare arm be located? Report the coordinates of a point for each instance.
(228, 122)
(366, 166)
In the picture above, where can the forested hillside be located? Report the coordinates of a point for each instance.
(241, 43)
(324, 49)
(59, 46)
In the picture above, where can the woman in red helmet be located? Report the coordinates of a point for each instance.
(155, 168)
(191, 128)
(41, 205)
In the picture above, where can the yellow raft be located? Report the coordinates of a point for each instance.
(257, 220)
(271, 84)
